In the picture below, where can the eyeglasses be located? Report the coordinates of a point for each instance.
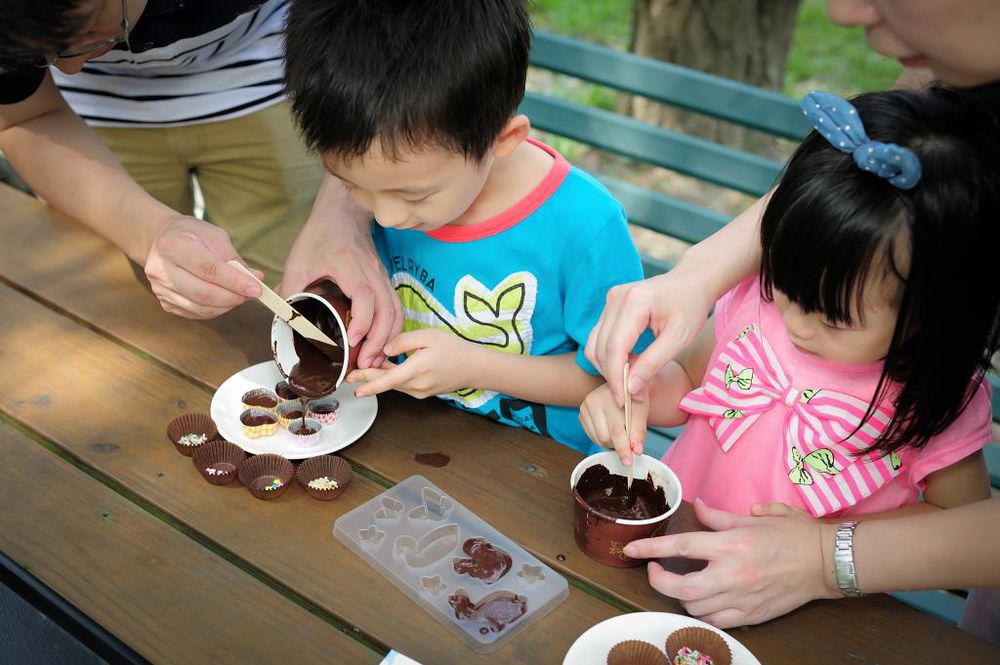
(93, 47)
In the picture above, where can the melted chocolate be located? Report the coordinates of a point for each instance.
(303, 430)
(492, 613)
(285, 391)
(485, 562)
(608, 494)
(319, 365)
(432, 459)
(255, 420)
(324, 407)
(292, 414)
(262, 400)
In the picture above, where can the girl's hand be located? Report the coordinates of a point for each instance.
(758, 567)
(604, 422)
(440, 363)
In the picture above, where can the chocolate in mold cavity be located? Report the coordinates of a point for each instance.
(493, 613)
(319, 365)
(261, 399)
(257, 419)
(302, 430)
(485, 562)
(608, 494)
(285, 391)
(322, 407)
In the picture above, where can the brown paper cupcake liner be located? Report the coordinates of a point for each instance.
(258, 430)
(189, 431)
(260, 398)
(636, 652)
(326, 410)
(218, 462)
(706, 641)
(324, 477)
(284, 411)
(305, 440)
(266, 476)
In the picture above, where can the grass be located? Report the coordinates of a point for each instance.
(822, 55)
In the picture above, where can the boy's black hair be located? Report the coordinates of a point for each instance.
(29, 29)
(830, 225)
(449, 73)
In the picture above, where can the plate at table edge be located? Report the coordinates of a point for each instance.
(592, 647)
(356, 416)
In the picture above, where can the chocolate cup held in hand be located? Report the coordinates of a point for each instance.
(310, 370)
(703, 640)
(219, 461)
(324, 477)
(189, 431)
(266, 476)
(602, 536)
(636, 652)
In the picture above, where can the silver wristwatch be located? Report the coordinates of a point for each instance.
(843, 560)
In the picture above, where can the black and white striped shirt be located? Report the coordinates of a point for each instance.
(191, 61)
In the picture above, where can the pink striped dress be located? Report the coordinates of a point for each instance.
(771, 423)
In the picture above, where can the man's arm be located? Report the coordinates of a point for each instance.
(68, 166)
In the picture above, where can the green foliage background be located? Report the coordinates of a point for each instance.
(823, 56)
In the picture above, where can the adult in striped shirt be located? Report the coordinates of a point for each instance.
(109, 107)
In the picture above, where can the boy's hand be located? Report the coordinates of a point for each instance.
(440, 363)
(604, 422)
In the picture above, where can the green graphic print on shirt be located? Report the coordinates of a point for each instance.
(498, 318)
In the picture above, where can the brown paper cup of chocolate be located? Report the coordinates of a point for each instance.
(186, 430)
(266, 476)
(636, 652)
(323, 296)
(335, 470)
(218, 462)
(602, 537)
(707, 642)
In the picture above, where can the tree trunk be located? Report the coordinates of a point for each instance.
(745, 40)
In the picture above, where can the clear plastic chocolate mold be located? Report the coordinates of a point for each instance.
(476, 581)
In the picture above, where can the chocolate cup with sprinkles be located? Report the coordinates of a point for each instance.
(260, 398)
(219, 461)
(330, 475)
(266, 476)
(189, 431)
(636, 652)
(705, 641)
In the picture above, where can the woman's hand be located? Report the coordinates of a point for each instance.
(673, 305)
(758, 567)
(187, 270)
(439, 363)
(604, 423)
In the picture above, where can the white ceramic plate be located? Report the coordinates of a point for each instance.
(356, 416)
(592, 647)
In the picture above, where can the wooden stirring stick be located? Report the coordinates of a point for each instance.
(628, 424)
(284, 311)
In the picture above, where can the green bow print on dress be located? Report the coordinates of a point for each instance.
(746, 331)
(820, 460)
(743, 380)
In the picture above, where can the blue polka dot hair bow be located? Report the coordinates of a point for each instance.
(836, 119)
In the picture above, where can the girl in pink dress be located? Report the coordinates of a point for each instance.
(847, 378)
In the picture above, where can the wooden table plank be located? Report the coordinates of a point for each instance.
(514, 459)
(102, 552)
(108, 407)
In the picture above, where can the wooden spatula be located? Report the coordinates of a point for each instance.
(284, 311)
(628, 423)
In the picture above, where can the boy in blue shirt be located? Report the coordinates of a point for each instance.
(500, 251)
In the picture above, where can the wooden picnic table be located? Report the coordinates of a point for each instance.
(100, 507)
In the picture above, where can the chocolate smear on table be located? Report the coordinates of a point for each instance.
(432, 459)
(319, 365)
(485, 562)
(608, 494)
(494, 612)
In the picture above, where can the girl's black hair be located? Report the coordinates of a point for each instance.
(29, 30)
(829, 226)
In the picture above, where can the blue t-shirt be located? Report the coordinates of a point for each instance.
(530, 281)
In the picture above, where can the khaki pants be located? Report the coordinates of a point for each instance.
(257, 177)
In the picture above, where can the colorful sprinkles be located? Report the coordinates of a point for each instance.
(324, 483)
(689, 656)
(192, 440)
(273, 485)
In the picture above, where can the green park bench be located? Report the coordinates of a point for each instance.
(730, 168)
